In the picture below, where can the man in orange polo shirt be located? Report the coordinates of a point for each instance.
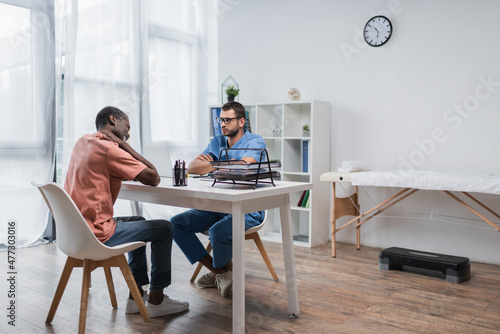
(98, 164)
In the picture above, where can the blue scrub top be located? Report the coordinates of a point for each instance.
(248, 140)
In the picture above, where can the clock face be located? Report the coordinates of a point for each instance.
(377, 31)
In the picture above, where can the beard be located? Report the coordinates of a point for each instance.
(230, 133)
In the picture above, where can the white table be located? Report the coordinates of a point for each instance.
(237, 200)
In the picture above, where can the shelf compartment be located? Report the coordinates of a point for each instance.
(269, 118)
(300, 225)
(295, 116)
(292, 155)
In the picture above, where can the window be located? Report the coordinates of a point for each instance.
(173, 74)
(21, 74)
(172, 90)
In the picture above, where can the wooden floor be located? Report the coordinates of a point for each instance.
(348, 294)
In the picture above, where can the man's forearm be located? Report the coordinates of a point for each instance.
(199, 167)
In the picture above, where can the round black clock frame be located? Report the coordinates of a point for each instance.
(380, 26)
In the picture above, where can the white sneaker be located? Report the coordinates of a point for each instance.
(167, 306)
(207, 281)
(224, 283)
(131, 306)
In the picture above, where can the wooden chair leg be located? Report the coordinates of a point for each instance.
(134, 290)
(256, 238)
(111, 286)
(61, 286)
(87, 269)
(196, 272)
(199, 266)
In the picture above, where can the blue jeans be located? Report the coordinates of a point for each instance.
(220, 233)
(159, 232)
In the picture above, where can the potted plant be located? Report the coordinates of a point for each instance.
(231, 93)
(305, 131)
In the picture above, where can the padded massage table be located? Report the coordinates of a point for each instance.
(411, 182)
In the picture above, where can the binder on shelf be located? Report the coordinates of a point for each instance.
(247, 125)
(304, 201)
(301, 198)
(305, 156)
(215, 114)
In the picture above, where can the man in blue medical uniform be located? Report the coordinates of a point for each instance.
(219, 225)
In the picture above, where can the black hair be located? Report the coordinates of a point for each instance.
(238, 108)
(102, 117)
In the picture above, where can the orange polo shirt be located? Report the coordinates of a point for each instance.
(95, 173)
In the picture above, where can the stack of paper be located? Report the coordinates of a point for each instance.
(244, 171)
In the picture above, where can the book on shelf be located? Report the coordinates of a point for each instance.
(301, 198)
(247, 125)
(216, 125)
(306, 197)
(307, 202)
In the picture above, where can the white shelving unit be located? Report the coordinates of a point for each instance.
(280, 124)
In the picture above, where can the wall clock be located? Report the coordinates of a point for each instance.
(377, 31)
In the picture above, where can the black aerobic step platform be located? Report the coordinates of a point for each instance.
(456, 268)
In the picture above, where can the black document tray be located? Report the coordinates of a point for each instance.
(240, 172)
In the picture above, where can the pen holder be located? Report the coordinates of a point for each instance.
(179, 177)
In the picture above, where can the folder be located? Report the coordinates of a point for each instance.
(305, 156)
(215, 114)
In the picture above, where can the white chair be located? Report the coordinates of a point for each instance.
(251, 233)
(78, 242)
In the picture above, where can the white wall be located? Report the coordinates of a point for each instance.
(422, 98)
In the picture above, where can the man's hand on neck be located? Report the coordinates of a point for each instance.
(108, 135)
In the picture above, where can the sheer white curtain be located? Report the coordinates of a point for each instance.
(27, 131)
(149, 58)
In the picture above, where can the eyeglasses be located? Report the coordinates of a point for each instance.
(226, 120)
